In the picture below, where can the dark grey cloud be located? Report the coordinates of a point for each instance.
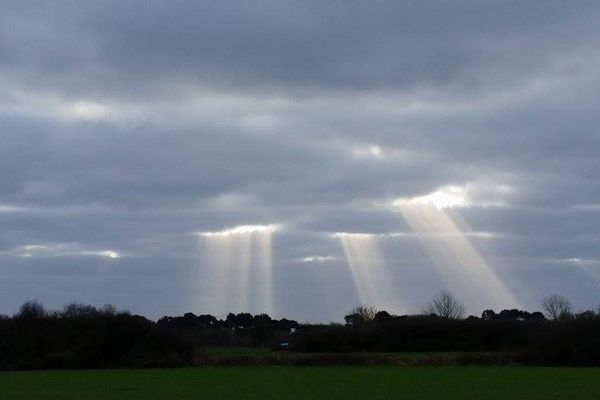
(127, 127)
(387, 45)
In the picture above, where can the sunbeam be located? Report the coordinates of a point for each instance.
(367, 267)
(589, 267)
(240, 263)
(451, 250)
(265, 271)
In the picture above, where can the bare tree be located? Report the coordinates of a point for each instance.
(445, 305)
(108, 309)
(556, 307)
(360, 314)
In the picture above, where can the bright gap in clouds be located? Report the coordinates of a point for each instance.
(319, 259)
(242, 229)
(444, 197)
(371, 151)
(60, 250)
(53, 106)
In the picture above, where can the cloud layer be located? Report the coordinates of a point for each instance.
(127, 127)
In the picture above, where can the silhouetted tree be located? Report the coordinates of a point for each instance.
(207, 320)
(514, 314)
(78, 310)
(556, 307)
(360, 315)
(536, 315)
(445, 305)
(383, 316)
(108, 309)
(588, 315)
(262, 319)
(241, 320)
(32, 309)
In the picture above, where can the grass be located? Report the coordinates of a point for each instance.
(247, 356)
(235, 351)
(329, 383)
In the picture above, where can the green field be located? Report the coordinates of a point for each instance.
(306, 383)
(248, 356)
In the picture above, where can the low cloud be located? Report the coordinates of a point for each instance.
(59, 250)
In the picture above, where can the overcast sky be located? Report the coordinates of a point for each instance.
(128, 127)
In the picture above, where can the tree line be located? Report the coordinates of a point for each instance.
(83, 336)
(554, 336)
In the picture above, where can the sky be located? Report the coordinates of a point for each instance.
(299, 157)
